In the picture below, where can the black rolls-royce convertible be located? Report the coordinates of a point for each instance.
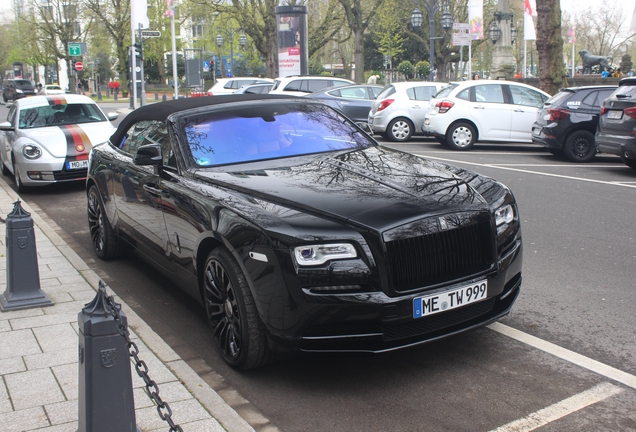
(297, 231)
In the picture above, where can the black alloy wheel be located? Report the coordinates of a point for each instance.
(232, 314)
(580, 146)
(105, 243)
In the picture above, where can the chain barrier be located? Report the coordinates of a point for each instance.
(165, 413)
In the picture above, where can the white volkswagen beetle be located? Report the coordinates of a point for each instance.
(48, 139)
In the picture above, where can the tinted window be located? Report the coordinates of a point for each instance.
(315, 85)
(492, 93)
(559, 98)
(23, 83)
(350, 93)
(147, 132)
(293, 85)
(626, 90)
(268, 131)
(526, 96)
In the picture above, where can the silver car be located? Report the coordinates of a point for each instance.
(48, 139)
(398, 112)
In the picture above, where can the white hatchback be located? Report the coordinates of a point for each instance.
(398, 111)
(483, 110)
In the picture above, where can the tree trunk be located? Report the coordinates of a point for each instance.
(550, 46)
(358, 55)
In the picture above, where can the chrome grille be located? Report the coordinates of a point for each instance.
(440, 256)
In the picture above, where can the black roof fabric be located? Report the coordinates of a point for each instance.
(162, 110)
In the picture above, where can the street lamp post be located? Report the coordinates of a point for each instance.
(417, 19)
(230, 34)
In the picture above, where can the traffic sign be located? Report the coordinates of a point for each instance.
(150, 33)
(74, 50)
(79, 66)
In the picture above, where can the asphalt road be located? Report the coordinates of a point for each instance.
(565, 359)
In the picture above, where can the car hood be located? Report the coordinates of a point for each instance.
(55, 139)
(374, 187)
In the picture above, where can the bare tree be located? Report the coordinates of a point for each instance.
(550, 46)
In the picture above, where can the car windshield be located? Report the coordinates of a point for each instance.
(23, 82)
(269, 132)
(53, 87)
(58, 115)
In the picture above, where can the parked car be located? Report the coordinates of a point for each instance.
(616, 132)
(354, 101)
(297, 231)
(53, 89)
(47, 139)
(301, 85)
(255, 88)
(231, 85)
(398, 111)
(14, 89)
(483, 110)
(567, 122)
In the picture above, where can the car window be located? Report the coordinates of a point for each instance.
(464, 94)
(23, 82)
(445, 91)
(315, 85)
(58, 115)
(293, 85)
(11, 114)
(628, 91)
(492, 93)
(386, 92)
(526, 96)
(136, 136)
(423, 93)
(376, 91)
(350, 93)
(268, 132)
(336, 83)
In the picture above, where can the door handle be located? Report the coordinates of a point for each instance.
(479, 107)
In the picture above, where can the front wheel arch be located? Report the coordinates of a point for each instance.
(459, 124)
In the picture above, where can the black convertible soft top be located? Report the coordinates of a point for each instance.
(162, 110)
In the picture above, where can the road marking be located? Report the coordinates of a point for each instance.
(567, 355)
(561, 409)
(528, 171)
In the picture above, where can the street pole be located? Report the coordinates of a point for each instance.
(432, 8)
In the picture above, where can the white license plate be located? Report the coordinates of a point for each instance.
(536, 131)
(447, 300)
(616, 115)
(72, 165)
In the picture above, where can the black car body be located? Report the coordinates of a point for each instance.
(616, 133)
(297, 231)
(13, 89)
(354, 101)
(567, 122)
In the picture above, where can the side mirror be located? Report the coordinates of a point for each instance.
(149, 154)
(112, 116)
(6, 126)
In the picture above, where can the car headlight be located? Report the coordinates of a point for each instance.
(312, 255)
(18, 91)
(504, 215)
(31, 151)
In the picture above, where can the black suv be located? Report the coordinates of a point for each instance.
(567, 122)
(616, 132)
(13, 89)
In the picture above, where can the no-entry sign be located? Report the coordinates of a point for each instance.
(79, 66)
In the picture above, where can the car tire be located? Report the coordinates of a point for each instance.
(232, 314)
(461, 136)
(106, 244)
(400, 130)
(629, 162)
(580, 146)
(18, 179)
(4, 98)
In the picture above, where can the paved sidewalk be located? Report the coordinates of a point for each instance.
(39, 357)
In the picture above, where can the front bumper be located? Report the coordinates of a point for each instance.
(42, 173)
(374, 322)
(611, 144)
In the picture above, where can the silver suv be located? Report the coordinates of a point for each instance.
(398, 112)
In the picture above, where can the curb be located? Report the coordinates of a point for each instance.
(209, 399)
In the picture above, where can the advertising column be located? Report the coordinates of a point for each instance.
(293, 50)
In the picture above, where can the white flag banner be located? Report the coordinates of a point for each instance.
(139, 14)
(528, 23)
(476, 19)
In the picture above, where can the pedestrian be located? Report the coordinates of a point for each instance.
(41, 89)
(605, 73)
(476, 76)
(80, 87)
(373, 79)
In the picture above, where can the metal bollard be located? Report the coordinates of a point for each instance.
(156, 95)
(23, 277)
(163, 98)
(116, 95)
(99, 93)
(106, 401)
